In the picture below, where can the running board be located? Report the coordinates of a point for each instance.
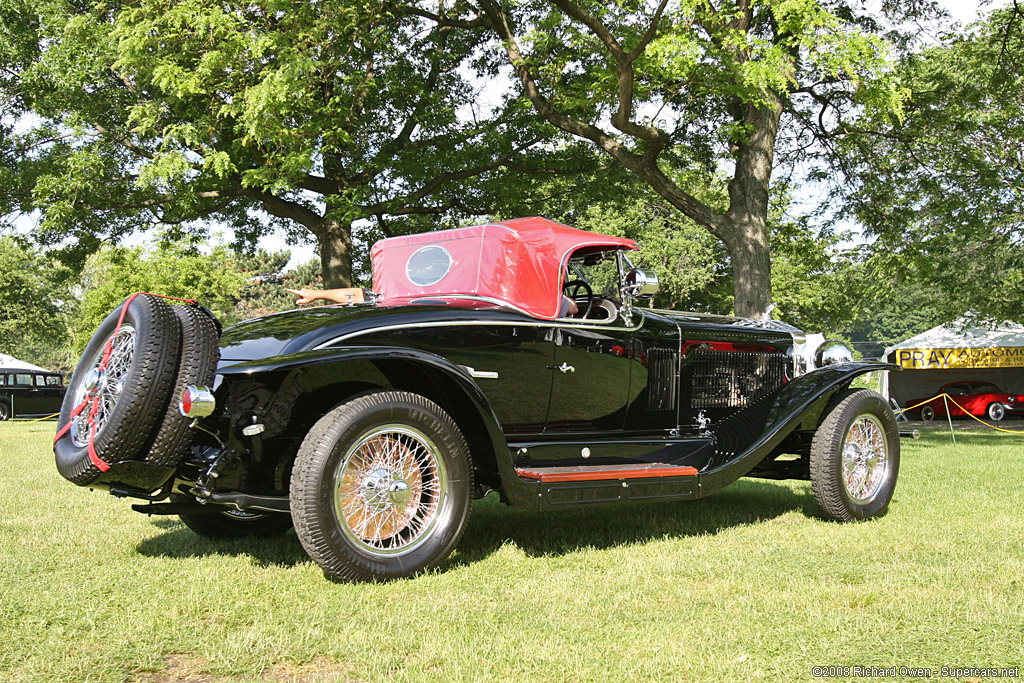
(595, 485)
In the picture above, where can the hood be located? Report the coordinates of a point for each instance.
(727, 328)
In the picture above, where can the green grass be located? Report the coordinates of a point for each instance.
(746, 585)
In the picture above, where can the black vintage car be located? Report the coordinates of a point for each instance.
(25, 392)
(512, 357)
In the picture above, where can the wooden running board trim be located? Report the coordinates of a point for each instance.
(606, 472)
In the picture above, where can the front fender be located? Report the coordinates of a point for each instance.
(746, 438)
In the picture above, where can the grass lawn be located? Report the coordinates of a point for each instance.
(746, 585)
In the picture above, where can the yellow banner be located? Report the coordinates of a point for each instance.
(935, 359)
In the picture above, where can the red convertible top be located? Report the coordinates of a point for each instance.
(519, 262)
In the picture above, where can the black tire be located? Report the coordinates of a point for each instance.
(927, 413)
(995, 411)
(137, 389)
(5, 411)
(857, 436)
(238, 524)
(197, 365)
(388, 449)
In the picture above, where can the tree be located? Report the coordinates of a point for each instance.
(942, 189)
(172, 268)
(259, 115)
(696, 86)
(32, 299)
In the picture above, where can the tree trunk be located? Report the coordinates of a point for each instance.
(745, 228)
(336, 253)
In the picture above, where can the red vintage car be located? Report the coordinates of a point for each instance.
(982, 399)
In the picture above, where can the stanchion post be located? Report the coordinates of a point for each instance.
(949, 418)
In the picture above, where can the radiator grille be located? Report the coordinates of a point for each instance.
(733, 379)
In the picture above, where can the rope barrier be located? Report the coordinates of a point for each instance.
(966, 412)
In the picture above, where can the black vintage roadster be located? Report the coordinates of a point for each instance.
(512, 357)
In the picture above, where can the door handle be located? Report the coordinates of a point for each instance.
(564, 367)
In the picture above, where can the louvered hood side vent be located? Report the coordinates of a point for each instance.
(734, 379)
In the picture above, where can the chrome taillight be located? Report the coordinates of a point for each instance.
(196, 401)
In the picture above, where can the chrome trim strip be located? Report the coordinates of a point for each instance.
(477, 323)
(482, 374)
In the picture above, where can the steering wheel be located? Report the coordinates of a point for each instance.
(572, 289)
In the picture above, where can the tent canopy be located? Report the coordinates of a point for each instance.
(956, 352)
(948, 347)
(12, 363)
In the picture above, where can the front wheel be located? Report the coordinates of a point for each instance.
(381, 487)
(855, 457)
(927, 413)
(996, 412)
(5, 411)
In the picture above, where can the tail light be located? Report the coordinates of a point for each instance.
(196, 401)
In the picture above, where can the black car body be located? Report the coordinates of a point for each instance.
(374, 425)
(29, 393)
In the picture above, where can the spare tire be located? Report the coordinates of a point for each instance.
(197, 364)
(118, 397)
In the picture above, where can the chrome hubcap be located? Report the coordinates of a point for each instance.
(865, 458)
(102, 386)
(389, 490)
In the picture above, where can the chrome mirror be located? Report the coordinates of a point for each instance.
(641, 284)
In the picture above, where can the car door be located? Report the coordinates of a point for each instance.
(589, 377)
(50, 393)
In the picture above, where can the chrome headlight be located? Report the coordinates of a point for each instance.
(832, 351)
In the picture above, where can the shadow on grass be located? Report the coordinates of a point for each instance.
(564, 531)
(493, 524)
(178, 541)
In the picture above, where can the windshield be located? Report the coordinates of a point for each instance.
(600, 271)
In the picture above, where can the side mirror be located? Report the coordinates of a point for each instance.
(641, 284)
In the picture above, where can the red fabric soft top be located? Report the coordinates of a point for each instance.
(519, 262)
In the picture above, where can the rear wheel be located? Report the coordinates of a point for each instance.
(238, 524)
(855, 457)
(996, 412)
(5, 411)
(381, 487)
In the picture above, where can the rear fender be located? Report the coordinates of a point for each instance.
(288, 394)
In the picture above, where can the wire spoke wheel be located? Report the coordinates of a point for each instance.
(381, 487)
(855, 456)
(389, 488)
(102, 384)
(865, 458)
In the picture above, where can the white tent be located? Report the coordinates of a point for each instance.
(12, 363)
(948, 353)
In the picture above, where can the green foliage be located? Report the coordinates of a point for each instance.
(266, 281)
(171, 268)
(33, 299)
(259, 115)
(942, 189)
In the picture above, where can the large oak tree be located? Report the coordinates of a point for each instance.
(257, 115)
(676, 92)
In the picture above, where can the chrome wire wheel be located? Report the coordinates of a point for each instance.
(864, 458)
(103, 385)
(389, 490)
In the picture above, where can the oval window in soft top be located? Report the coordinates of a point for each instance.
(428, 265)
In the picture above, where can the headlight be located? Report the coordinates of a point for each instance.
(832, 351)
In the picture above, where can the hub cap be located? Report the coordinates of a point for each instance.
(104, 383)
(865, 458)
(389, 490)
